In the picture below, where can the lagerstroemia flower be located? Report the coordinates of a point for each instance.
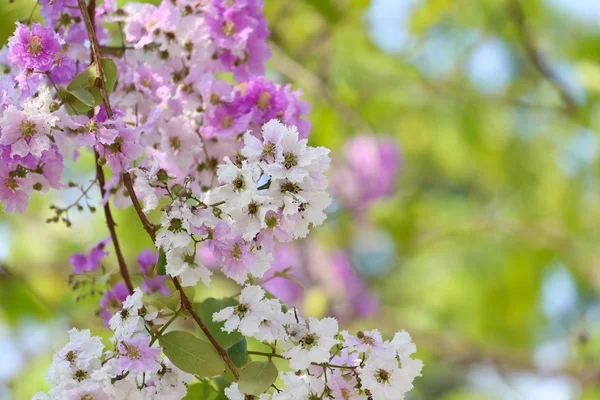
(90, 262)
(111, 301)
(34, 48)
(136, 355)
(314, 344)
(227, 166)
(128, 321)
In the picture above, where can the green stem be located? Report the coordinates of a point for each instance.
(165, 326)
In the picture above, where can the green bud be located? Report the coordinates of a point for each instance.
(162, 175)
(102, 161)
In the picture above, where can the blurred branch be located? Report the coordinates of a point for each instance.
(537, 58)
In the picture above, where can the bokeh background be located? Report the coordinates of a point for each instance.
(465, 145)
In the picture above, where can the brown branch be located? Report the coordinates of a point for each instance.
(537, 58)
(185, 301)
(187, 304)
(110, 222)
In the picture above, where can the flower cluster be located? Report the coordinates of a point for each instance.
(328, 362)
(224, 162)
(273, 189)
(84, 369)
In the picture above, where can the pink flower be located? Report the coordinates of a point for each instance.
(112, 301)
(137, 356)
(34, 48)
(89, 262)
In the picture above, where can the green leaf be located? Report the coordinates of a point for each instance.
(206, 310)
(257, 377)
(161, 264)
(82, 80)
(191, 354)
(86, 80)
(83, 96)
(238, 353)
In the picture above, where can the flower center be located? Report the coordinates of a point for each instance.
(289, 160)
(227, 121)
(239, 183)
(189, 259)
(132, 352)
(35, 45)
(309, 341)
(175, 143)
(236, 253)
(382, 376)
(88, 397)
(268, 150)
(11, 183)
(253, 208)
(241, 309)
(228, 28)
(71, 356)
(27, 129)
(271, 222)
(289, 187)
(264, 100)
(80, 375)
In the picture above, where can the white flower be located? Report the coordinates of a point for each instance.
(128, 321)
(295, 158)
(75, 362)
(233, 393)
(270, 149)
(246, 316)
(249, 217)
(182, 262)
(303, 387)
(241, 180)
(315, 345)
(385, 380)
(367, 341)
(272, 326)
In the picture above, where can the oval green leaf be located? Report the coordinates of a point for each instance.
(257, 377)
(191, 354)
(238, 353)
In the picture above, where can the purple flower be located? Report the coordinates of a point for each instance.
(14, 192)
(151, 283)
(34, 48)
(268, 100)
(136, 355)
(112, 301)
(89, 262)
(239, 31)
(368, 171)
(363, 303)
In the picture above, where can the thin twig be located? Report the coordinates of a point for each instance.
(110, 222)
(537, 59)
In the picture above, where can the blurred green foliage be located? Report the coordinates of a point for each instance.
(498, 194)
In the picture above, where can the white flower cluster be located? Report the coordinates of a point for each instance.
(274, 189)
(328, 362)
(83, 369)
